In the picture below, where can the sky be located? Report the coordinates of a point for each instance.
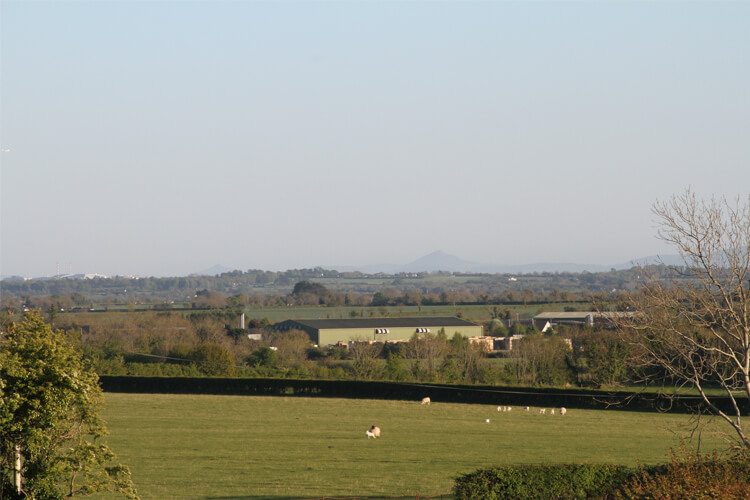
(160, 138)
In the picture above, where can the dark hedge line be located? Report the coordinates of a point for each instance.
(569, 398)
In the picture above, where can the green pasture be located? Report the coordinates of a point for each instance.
(476, 313)
(275, 314)
(247, 447)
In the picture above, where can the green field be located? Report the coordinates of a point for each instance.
(243, 447)
(475, 313)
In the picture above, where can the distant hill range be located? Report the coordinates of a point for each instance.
(440, 261)
(433, 262)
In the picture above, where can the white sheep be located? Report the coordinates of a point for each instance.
(526, 408)
(373, 432)
(542, 411)
(510, 408)
(499, 408)
(563, 411)
(552, 411)
(426, 401)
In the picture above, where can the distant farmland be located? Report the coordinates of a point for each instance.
(285, 447)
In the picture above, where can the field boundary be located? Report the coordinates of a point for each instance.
(354, 389)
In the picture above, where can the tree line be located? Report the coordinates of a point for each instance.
(269, 286)
(304, 293)
(210, 343)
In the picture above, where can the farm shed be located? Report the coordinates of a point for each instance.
(545, 320)
(563, 318)
(331, 331)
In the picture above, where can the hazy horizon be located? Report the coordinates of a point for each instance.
(426, 263)
(161, 138)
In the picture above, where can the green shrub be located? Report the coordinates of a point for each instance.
(692, 475)
(561, 481)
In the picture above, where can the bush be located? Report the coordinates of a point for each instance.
(694, 476)
(541, 482)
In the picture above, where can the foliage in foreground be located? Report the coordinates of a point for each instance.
(692, 475)
(688, 475)
(695, 331)
(541, 481)
(49, 422)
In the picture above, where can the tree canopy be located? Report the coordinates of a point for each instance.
(50, 429)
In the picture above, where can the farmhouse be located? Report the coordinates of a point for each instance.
(332, 331)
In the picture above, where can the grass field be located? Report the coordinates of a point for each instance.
(476, 313)
(242, 447)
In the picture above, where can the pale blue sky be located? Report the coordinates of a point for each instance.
(161, 138)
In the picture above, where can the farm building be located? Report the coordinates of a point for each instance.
(546, 320)
(332, 331)
(563, 318)
(505, 343)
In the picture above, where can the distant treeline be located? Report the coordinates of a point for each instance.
(211, 343)
(344, 288)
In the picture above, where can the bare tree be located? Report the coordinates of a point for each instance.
(428, 351)
(364, 355)
(694, 329)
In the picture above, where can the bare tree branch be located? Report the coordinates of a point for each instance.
(695, 329)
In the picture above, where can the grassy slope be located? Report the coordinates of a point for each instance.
(273, 447)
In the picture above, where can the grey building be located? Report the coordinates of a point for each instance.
(325, 332)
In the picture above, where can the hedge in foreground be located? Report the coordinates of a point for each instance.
(559, 481)
(688, 475)
(692, 475)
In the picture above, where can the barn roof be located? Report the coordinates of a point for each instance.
(564, 315)
(435, 321)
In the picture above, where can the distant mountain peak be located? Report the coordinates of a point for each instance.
(439, 261)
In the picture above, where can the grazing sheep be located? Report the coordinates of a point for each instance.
(542, 411)
(510, 408)
(552, 411)
(526, 408)
(499, 408)
(426, 401)
(563, 411)
(373, 432)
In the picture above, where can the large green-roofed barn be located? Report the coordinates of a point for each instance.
(325, 332)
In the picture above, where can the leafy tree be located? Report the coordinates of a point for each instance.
(306, 292)
(540, 360)
(292, 347)
(517, 329)
(598, 357)
(214, 360)
(262, 357)
(497, 328)
(395, 367)
(49, 423)
(464, 358)
(695, 328)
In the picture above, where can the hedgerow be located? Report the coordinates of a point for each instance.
(688, 475)
(554, 481)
